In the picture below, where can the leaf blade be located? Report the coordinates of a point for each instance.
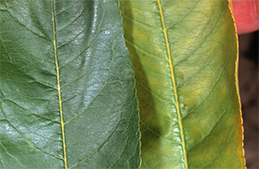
(195, 39)
(66, 59)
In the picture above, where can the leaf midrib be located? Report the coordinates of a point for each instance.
(173, 80)
(58, 88)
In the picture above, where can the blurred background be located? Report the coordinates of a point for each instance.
(248, 86)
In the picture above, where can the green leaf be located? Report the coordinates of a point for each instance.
(67, 97)
(184, 57)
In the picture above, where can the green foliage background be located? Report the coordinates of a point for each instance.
(67, 95)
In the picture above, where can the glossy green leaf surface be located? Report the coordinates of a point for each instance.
(67, 96)
(184, 56)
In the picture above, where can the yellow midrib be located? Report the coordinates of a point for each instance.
(173, 80)
(58, 82)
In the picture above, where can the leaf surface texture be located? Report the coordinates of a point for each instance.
(67, 97)
(184, 57)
